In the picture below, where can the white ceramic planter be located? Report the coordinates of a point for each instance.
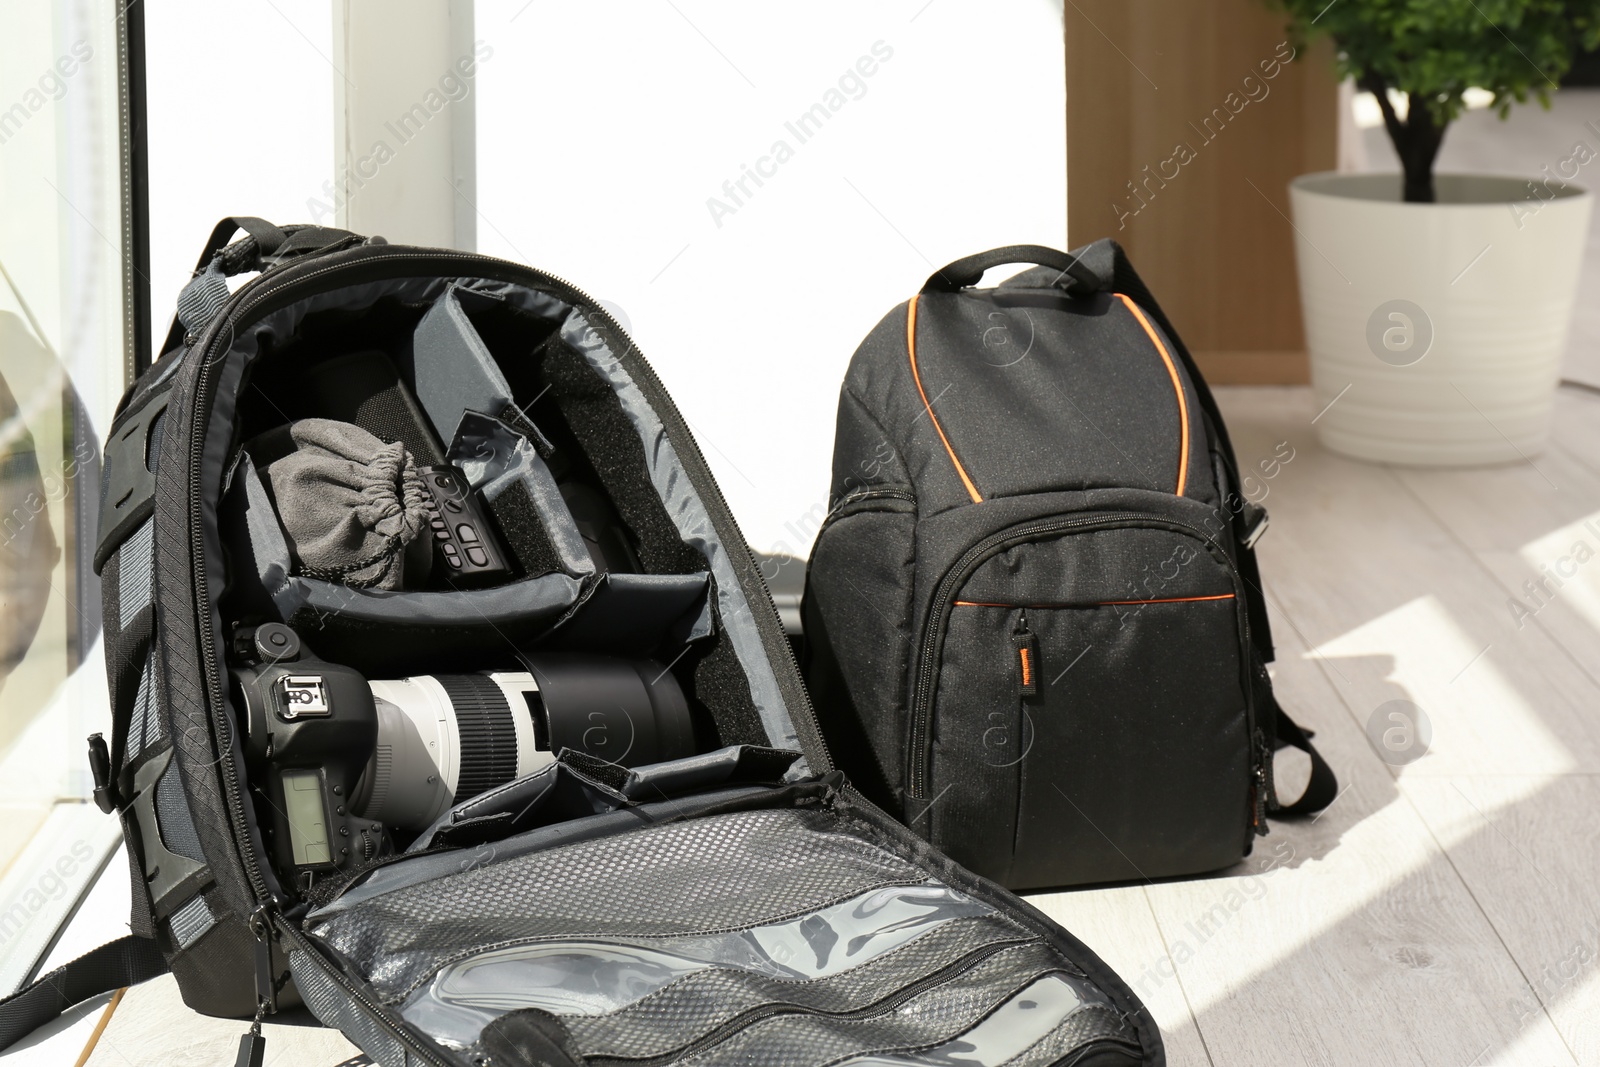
(1442, 325)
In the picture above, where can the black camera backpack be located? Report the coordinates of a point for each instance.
(799, 924)
(1035, 625)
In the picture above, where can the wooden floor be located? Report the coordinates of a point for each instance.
(1445, 912)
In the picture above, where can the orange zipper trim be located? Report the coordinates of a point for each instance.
(1177, 387)
(1170, 600)
(911, 349)
(1100, 604)
(1027, 668)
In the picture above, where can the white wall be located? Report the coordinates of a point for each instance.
(603, 130)
(241, 123)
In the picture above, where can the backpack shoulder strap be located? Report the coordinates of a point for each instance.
(124, 962)
(1321, 790)
(1108, 263)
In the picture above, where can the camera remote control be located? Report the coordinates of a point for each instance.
(465, 550)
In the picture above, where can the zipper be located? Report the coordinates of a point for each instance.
(921, 748)
(258, 293)
(415, 1048)
(862, 496)
(883, 492)
(746, 1020)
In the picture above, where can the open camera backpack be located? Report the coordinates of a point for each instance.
(1034, 622)
(745, 905)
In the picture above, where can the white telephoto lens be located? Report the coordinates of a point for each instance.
(430, 752)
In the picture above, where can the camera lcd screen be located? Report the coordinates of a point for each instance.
(308, 819)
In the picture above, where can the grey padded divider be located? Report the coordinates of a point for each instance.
(452, 367)
(532, 598)
(192, 920)
(494, 457)
(136, 562)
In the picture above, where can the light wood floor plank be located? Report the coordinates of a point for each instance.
(1529, 849)
(1119, 926)
(1540, 543)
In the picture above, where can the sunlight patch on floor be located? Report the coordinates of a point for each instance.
(1474, 715)
(1565, 566)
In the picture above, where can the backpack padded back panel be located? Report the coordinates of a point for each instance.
(1034, 622)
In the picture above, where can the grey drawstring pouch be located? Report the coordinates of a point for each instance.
(350, 505)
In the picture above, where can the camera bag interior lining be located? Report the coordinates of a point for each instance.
(448, 356)
(745, 679)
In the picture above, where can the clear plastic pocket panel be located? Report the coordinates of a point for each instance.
(1022, 1025)
(771, 936)
(594, 977)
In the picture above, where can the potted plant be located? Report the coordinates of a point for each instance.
(1437, 305)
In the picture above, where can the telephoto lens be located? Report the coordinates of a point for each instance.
(341, 762)
(443, 738)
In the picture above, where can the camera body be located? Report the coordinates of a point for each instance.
(314, 726)
(341, 765)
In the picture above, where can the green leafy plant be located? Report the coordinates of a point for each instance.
(1434, 50)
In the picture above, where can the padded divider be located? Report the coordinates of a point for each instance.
(362, 387)
(451, 368)
(588, 414)
(373, 628)
(506, 467)
(639, 614)
(522, 527)
(553, 794)
(564, 791)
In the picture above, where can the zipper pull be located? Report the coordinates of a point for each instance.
(252, 1045)
(266, 985)
(833, 785)
(1027, 657)
(1263, 789)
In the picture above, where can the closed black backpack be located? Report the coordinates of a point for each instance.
(739, 904)
(1035, 625)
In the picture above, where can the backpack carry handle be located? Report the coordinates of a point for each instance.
(264, 246)
(1076, 278)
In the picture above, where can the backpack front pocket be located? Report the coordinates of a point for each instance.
(1088, 717)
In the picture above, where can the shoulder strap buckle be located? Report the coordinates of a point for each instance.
(128, 487)
(1253, 525)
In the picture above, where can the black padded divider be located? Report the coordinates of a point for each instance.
(595, 417)
(523, 531)
(582, 416)
(717, 681)
(345, 366)
(638, 615)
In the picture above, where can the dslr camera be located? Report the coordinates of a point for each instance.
(344, 767)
